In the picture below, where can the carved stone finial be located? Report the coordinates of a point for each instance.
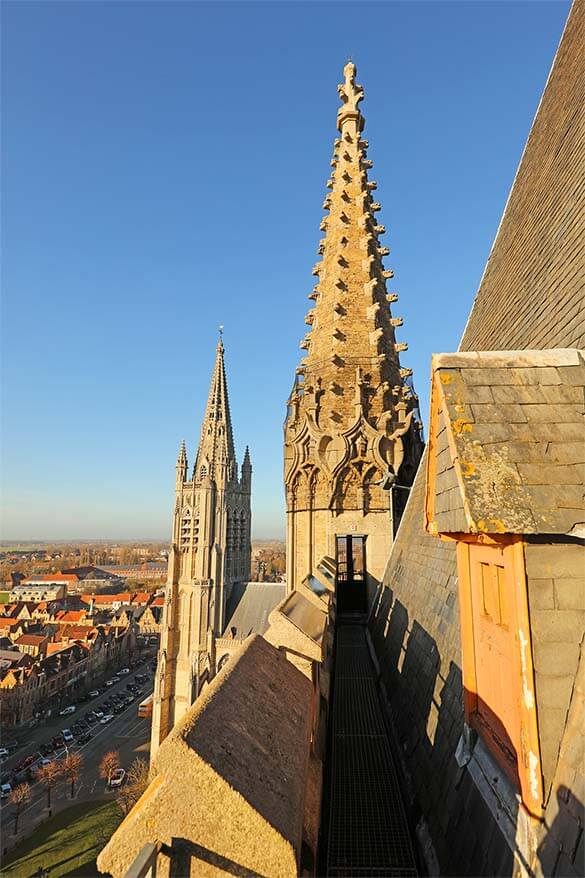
(351, 94)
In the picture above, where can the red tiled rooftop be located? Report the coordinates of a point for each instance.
(30, 640)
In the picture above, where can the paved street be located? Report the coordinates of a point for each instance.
(127, 733)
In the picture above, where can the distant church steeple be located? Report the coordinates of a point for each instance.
(216, 446)
(211, 549)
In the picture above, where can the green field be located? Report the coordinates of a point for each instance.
(68, 844)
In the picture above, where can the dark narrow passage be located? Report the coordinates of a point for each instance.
(368, 834)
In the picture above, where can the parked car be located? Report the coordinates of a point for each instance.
(117, 778)
(11, 746)
(115, 679)
(67, 736)
(110, 682)
(43, 762)
(22, 776)
(4, 754)
(58, 742)
(91, 718)
(5, 790)
(67, 710)
(84, 737)
(94, 693)
(119, 708)
(98, 714)
(124, 671)
(47, 748)
(107, 719)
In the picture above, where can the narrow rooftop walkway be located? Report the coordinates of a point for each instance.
(368, 834)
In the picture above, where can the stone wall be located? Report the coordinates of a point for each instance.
(556, 594)
(532, 295)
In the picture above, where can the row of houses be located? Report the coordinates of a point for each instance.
(142, 609)
(51, 650)
(45, 671)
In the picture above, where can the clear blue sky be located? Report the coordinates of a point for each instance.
(164, 166)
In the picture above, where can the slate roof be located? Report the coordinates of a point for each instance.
(508, 442)
(13, 656)
(250, 604)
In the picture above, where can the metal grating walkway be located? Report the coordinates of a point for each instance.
(368, 834)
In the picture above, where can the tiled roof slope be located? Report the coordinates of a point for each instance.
(531, 293)
(514, 461)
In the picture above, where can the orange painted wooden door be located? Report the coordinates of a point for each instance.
(497, 670)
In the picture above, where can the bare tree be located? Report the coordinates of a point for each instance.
(19, 797)
(72, 765)
(110, 762)
(137, 780)
(49, 776)
(139, 774)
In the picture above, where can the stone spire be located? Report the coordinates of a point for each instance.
(350, 432)
(352, 354)
(216, 456)
(182, 463)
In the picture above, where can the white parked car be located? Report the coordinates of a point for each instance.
(94, 693)
(5, 790)
(109, 682)
(67, 710)
(4, 754)
(117, 777)
(67, 736)
(124, 671)
(44, 761)
(107, 719)
(98, 713)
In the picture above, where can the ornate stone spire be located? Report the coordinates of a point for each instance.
(182, 463)
(216, 454)
(349, 428)
(246, 468)
(352, 352)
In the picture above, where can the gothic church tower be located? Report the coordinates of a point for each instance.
(351, 433)
(211, 549)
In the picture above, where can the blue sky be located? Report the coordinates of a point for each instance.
(164, 166)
